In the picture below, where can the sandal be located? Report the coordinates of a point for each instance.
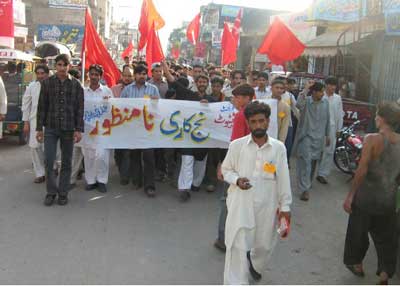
(355, 271)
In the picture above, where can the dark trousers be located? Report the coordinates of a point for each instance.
(166, 162)
(51, 137)
(138, 165)
(213, 160)
(383, 231)
(289, 142)
(223, 211)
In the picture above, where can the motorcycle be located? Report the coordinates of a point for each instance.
(348, 149)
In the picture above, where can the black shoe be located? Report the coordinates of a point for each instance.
(49, 200)
(256, 276)
(184, 196)
(91, 187)
(124, 182)
(322, 180)
(150, 192)
(62, 200)
(195, 189)
(101, 188)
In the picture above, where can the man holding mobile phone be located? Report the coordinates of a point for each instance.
(256, 169)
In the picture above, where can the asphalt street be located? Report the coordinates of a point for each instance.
(123, 237)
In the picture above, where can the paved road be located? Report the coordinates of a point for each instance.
(124, 237)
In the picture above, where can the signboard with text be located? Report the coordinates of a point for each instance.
(68, 4)
(66, 34)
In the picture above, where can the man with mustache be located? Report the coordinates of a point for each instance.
(259, 194)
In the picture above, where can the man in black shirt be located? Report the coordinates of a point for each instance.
(60, 113)
(193, 166)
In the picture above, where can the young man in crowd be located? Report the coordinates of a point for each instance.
(277, 91)
(215, 155)
(29, 113)
(60, 114)
(126, 79)
(157, 79)
(252, 79)
(96, 159)
(193, 163)
(131, 166)
(336, 114)
(262, 90)
(257, 171)
(312, 134)
(237, 77)
(242, 96)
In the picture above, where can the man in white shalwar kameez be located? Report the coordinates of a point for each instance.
(96, 159)
(3, 105)
(336, 115)
(258, 197)
(29, 112)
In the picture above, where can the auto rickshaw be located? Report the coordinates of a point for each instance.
(15, 84)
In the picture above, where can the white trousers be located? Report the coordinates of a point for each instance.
(96, 165)
(192, 172)
(38, 161)
(326, 163)
(77, 158)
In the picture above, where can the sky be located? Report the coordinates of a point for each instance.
(175, 12)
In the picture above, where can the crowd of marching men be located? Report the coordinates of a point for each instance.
(308, 125)
(187, 169)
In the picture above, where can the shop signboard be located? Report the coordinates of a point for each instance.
(66, 34)
(68, 4)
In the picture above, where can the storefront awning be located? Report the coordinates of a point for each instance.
(326, 45)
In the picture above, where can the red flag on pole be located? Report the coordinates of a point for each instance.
(228, 47)
(94, 52)
(236, 27)
(128, 51)
(154, 53)
(148, 15)
(193, 29)
(280, 44)
(175, 52)
(7, 23)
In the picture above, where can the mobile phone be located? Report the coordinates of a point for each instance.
(247, 185)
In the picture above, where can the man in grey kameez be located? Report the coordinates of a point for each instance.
(312, 135)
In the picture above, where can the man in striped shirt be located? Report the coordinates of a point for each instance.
(131, 165)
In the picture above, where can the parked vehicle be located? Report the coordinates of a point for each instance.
(15, 85)
(348, 149)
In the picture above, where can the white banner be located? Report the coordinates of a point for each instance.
(127, 123)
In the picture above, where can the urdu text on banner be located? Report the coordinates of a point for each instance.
(126, 123)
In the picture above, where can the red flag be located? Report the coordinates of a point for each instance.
(193, 29)
(280, 44)
(7, 23)
(95, 52)
(154, 51)
(228, 47)
(175, 52)
(128, 51)
(236, 27)
(148, 15)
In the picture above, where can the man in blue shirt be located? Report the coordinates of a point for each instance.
(131, 161)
